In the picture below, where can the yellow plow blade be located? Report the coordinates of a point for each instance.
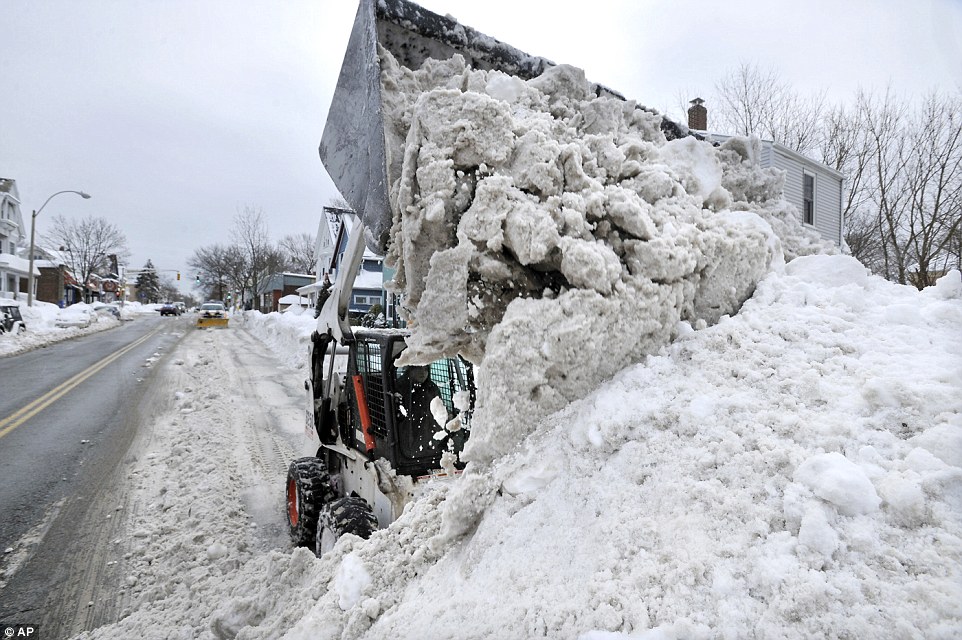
(203, 323)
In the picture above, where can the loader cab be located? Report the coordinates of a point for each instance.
(400, 413)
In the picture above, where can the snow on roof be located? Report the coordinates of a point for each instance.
(332, 215)
(308, 288)
(811, 162)
(369, 280)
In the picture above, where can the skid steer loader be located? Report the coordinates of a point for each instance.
(381, 429)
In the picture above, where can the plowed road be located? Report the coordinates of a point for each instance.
(68, 413)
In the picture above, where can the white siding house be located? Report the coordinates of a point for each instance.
(14, 268)
(333, 233)
(327, 230)
(814, 188)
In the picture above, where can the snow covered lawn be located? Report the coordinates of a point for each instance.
(794, 471)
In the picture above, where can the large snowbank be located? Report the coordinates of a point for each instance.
(287, 334)
(794, 471)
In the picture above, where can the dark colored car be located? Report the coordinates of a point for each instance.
(11, 320)
(169, 310)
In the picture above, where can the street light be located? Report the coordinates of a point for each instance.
(33, 231)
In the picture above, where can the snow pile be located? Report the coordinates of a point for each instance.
(555, 236)
(794, 471)
(287, 334)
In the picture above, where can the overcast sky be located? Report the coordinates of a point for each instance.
(176, 114)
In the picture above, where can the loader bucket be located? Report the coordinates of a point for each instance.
(204, 323)
(352, 146)
(353, 143)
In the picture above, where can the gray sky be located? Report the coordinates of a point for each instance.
(176, 114)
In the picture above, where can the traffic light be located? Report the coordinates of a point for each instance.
(197, 279)
(178, 275)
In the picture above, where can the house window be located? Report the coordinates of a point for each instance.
(808, 198)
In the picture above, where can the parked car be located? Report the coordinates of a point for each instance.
(105, 309)
(169, 309)
(10, 319)
(75, 316)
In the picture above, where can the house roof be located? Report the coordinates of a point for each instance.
(369, 280)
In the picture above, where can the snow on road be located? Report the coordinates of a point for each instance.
(203, 482)
(792, 472)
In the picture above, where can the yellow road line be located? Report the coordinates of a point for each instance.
(16, 419)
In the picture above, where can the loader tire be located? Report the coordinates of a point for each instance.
(308, 489)
(344, 515)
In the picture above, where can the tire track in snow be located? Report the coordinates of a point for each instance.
(267, 425)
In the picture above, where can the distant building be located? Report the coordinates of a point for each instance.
(278, 285)
(56, 283)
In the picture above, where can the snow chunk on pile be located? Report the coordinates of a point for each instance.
(556, 236)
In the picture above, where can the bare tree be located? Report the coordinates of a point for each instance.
(237, 268)
(843, 146)
(932, 161)
(250, 234)
(219, 269)
(86, 244)
(884, 120)
(168, 289)
(300, 252)
(904, 209)
(756, 101)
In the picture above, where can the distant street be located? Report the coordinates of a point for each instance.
(68, 413)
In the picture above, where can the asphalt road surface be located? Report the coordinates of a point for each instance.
(68, 415)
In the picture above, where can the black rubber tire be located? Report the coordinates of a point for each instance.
(344, 515)
(308, 489)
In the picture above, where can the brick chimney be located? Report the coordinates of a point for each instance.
(698, 115)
